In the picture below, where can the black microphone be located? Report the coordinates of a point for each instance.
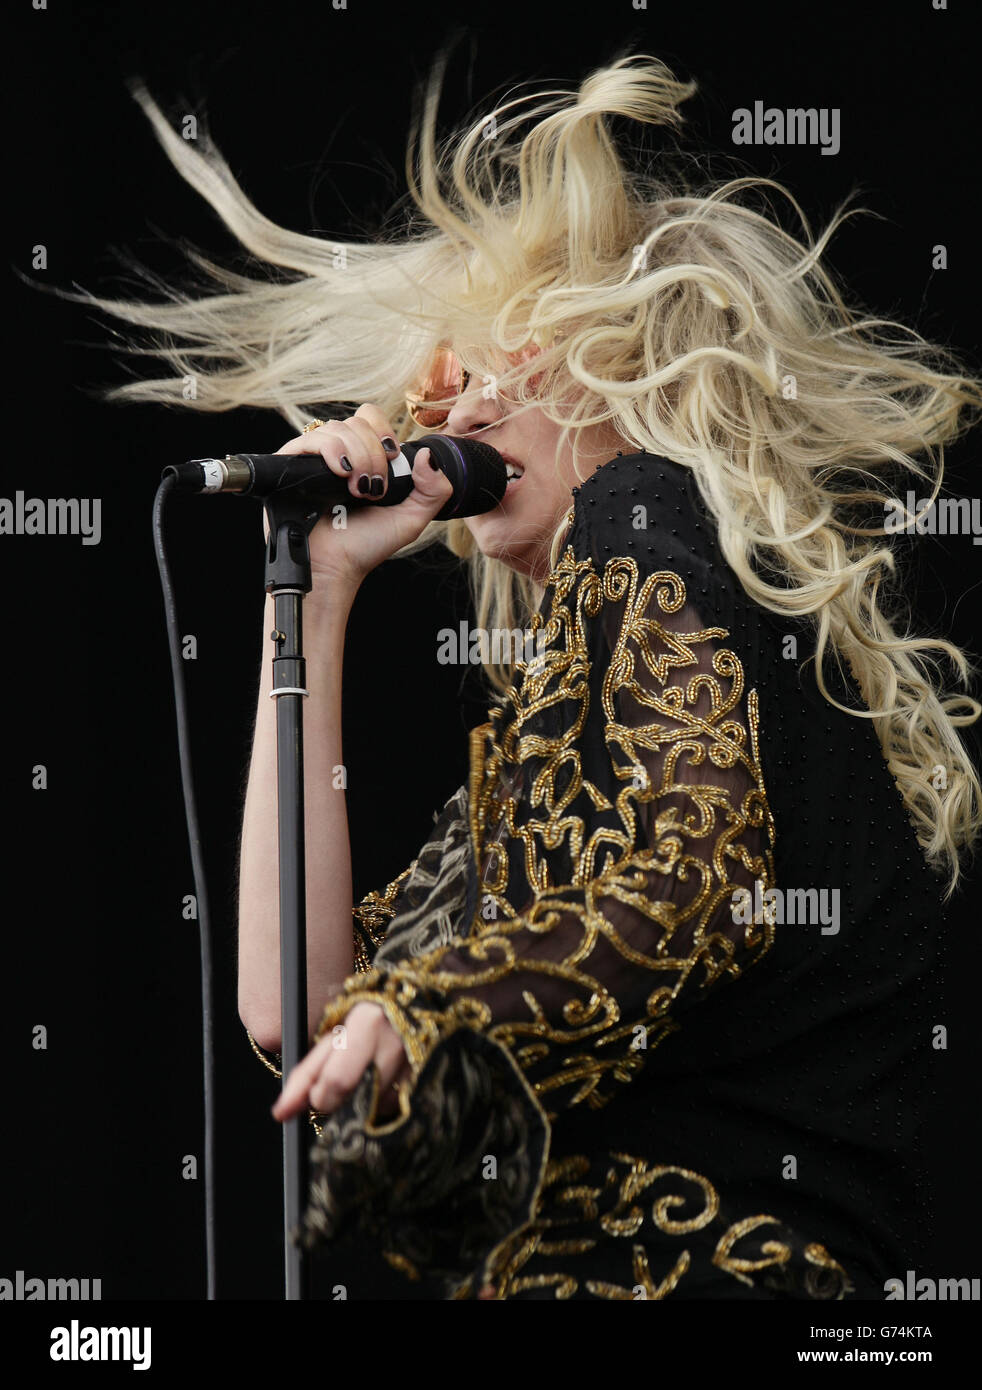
(477, 472)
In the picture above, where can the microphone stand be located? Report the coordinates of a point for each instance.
(477, 473)
(288, 579)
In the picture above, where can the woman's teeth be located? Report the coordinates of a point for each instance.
(514, 471)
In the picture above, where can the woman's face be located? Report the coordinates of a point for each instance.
(519, 530)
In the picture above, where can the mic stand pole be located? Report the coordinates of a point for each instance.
(288, 579)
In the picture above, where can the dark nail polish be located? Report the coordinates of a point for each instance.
(389, 445)
(364, 483)
(346, 463)
(433, 463)
(378, 487)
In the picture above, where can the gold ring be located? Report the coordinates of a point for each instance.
(313, 425)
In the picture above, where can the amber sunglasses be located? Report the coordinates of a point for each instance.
(430, 403)
(444, 380)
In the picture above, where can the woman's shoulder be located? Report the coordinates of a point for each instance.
(646, 509)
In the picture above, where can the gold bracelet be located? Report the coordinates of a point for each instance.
(261, 1054)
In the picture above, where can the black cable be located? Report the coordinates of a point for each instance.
(197, 865)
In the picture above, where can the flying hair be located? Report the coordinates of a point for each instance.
(680, 312)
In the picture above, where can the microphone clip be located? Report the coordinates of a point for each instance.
(291, 521)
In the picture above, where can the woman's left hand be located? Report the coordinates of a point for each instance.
(329, 1073)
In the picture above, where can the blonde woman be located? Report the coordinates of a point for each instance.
(650, 1015)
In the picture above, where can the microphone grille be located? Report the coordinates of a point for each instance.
(476, 470)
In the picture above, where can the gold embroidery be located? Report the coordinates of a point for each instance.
(586, 1198)
(401, 1263)
(831, 1281)
(508, 1266)
(698, 841)
(263, 1056)
(376, 910)
(775, 1251)
(564, 1285)
(641, 1177)
(643, 1279)
(361, 960)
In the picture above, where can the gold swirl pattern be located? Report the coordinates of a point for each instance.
(603, 908)
(779, 1263)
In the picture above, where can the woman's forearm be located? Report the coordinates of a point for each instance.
(328, 862)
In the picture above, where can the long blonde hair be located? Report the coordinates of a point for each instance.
(689, 319)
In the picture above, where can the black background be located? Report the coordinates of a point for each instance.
(310, 106)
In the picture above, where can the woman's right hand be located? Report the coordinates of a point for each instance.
(344, 554)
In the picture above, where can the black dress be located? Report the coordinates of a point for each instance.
(666, 969)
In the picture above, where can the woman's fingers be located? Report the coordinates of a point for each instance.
(377, 423)
(298, 1083)
(331, 1071)
(360, 449)
(340, 1074)
(431, 486)
(353, 449)
(347, 453)
(356, 444)
(393, 1065)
